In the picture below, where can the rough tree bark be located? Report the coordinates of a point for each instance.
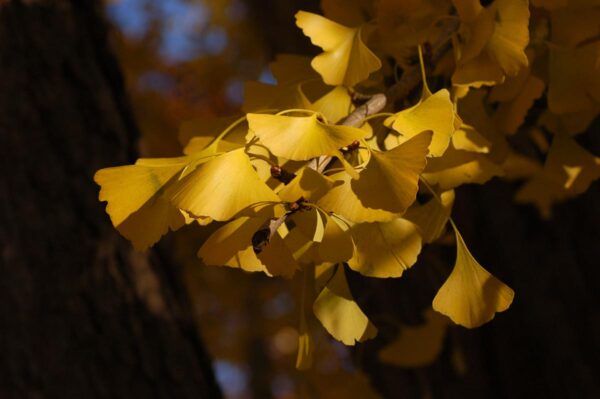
(81, 314)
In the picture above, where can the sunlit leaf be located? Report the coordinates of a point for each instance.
(390, 180)
(308, 184)
(434, 113)
(471, 296)
(346, 60)
(385, 249)
(222, 187)
(342, 200)
(301, 137)
(340, 315)
(457, 167)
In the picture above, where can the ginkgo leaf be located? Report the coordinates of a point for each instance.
(128, 188)
(457, 167)
(471, 296)
(340, 314)
(308, 184)
(417, 346)
(346, 60)
(335, 105)
(148, 224)
(336, 245)
(277, 258)
(402, 25)
(511, 35)
(434, 113)
(513, 108)
(301, 138)
(572, 166)
(342, 200)
(390, 180)
(231, 245)
(431, 218)
(468, 139)
(496, 37)
(222, 187)
(385, 249)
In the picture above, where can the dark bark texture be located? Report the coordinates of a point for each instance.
(81, 314)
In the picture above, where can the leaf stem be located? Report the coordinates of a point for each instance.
(426, 91)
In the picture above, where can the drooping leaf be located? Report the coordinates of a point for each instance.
(340, 314)
(336, 245)
(471, 296)
(385, 249)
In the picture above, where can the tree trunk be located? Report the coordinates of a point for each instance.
(81, 314)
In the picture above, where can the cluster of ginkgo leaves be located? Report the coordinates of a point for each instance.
(321, 172)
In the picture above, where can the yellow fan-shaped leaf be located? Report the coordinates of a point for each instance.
(431, 218)
(340, 315)
(390, 180)
(417, 346)
(231, 245)
(336, 245)
(471, 296)
(149, 223)
(222, 187)
(468, 139)
(494, 41)
(511, 113)
(301, 138)
(342, 200)
(457, 167)
(511, 35)
(308, 184)
(346, 60)
(570, 165)
(385, 249)
(335, 105)
(128, 188)
(435, 113)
